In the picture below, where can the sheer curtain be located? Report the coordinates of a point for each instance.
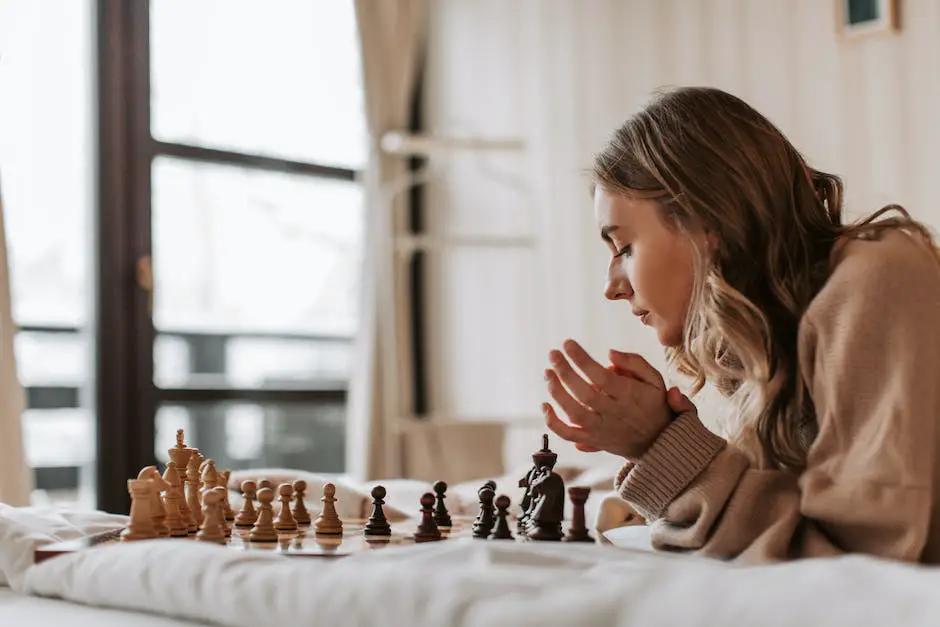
(392, 37)
(15, 476)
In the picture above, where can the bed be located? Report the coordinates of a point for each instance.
(462, 582)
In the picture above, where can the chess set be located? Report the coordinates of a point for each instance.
(190, 501)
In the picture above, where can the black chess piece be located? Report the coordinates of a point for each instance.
(490, 484)
(502, 532)
(427, 529)
(544, 457)
(548, 506)
(377, 525)
(441, 515)
(578, 531)
(486, 518)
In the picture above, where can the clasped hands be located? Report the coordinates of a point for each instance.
(621, 408)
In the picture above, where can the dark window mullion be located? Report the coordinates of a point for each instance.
(253, 161)
(179, 395)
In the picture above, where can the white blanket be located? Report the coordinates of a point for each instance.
(22, 529)
(487, 584)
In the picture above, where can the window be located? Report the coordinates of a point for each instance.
(47, 174)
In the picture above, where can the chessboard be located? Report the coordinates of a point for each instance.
(304, 542)
(190, 501)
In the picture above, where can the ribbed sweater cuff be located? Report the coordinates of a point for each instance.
(680, 453)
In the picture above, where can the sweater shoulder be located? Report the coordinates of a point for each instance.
(876, 274)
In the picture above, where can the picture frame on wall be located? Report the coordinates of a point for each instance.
(859, 18)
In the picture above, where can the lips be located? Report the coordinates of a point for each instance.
(642, 314)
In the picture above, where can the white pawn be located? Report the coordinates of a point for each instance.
(213, 524)
(328, 522)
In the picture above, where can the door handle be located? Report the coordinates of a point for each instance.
(145, 278)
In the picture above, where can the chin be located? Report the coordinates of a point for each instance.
(669, 338)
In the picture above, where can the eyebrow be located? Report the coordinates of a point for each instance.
(607, 230)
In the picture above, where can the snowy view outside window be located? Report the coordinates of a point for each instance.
(235, 250)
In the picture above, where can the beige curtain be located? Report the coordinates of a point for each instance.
(15, 476)
(392, 36)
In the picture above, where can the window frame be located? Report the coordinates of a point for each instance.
(126, 396)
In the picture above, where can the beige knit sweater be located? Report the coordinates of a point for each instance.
(869, 350)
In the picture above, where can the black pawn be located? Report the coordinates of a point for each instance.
(487, 516)
(377, 525)
(441, 515)
(427, 529)
(502, 531)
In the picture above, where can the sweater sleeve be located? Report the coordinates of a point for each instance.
(870, 354)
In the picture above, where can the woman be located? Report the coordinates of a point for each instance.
(824, 337)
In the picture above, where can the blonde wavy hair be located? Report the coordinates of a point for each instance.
(714, 164)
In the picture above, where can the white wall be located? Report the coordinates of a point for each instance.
(562, 74)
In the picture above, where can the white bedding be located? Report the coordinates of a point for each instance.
(459, 582)
(26, 611)
(487, 584)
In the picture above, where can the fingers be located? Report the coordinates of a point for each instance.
(637, 367)
(586, 448)
(596, 373)
(561, 428)
(578, 413)
(678, 401)
(588, 394)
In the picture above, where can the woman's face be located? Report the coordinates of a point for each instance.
(650, 265)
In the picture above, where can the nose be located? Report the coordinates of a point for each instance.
(618, 285)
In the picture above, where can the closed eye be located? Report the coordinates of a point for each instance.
(625, 251)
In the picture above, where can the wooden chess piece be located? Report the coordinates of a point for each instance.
(140, 525)
(227, 510)
(213, 525)
(301, 515)
(223, 495)
(486, 518)
(174, 520)
(180, 455)
(285, 520)
(441, 515)
(210, 476)
(194, 482)
(377, 525)
(427, 530)
(266, 483)
(548, 506)
(543, 457)
(490, 484)
(264, 530)
(157, 506)
(247, 516)
(502, 531)
(577, 531)
(328, 522)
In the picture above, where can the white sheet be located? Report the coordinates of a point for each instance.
(487, 584)
(24, 528)
(26, 611)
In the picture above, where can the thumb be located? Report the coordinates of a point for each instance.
(678, 401)
(637, 367)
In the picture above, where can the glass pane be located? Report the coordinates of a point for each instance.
(248, 362)
(46, 158)
(246, 435)
(243, 250)
(60, 445)
(52, 358)
(284, 80)
(47, 180)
